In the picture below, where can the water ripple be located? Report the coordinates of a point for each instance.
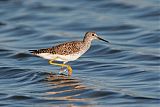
(126, 70)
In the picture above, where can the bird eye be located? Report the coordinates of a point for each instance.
(92, 34)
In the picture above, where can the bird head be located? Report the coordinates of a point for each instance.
(89, 36)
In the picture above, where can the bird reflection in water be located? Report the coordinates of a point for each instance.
(66, 88)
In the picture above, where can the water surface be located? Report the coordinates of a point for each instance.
(124, 73)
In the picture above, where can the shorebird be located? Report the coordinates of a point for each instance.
(68, 51)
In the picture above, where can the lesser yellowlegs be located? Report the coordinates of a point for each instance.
(68, 51)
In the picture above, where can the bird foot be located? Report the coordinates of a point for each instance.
(62, 65)
(66, 71)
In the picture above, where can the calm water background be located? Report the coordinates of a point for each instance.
(125, 73)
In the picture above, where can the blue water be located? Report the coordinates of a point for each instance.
(125, 73)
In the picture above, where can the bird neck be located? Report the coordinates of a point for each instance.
(87, 42)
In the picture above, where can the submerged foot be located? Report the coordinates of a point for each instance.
(64, 71)
(69, 69)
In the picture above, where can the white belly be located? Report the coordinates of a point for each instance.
(57, 57)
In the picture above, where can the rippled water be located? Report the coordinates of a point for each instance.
(121, 74)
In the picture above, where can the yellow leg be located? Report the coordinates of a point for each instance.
(62, 65)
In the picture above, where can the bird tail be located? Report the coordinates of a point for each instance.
(45, 50)
(33, 51)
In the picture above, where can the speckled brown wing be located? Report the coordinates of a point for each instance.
(62, 49)
(68, 48)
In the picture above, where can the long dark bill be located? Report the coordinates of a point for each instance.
(103, 39)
